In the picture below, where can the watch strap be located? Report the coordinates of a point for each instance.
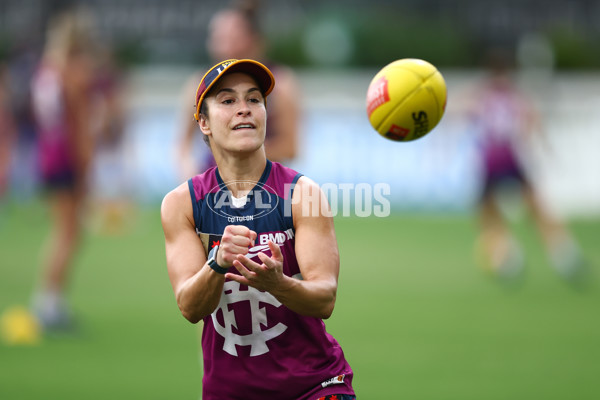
(212, 261)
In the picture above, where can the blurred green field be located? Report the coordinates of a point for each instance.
(416, 318)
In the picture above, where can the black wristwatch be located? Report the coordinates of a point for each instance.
(212, 261)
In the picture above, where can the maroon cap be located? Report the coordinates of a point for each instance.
(263, 77)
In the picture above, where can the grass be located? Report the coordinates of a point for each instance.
(416, 318)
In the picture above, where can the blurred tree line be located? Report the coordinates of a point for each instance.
(313, 33)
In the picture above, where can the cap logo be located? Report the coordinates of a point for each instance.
(223, 65)
(265, 78)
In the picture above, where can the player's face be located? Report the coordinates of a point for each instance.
(236, 114)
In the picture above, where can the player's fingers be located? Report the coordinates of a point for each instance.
(237, 229)
(232, 231)
(275, 251)
(229, 251)
(269, 262)
(248, 263)
(242, 241)
(266, 260)
(245, 272)
(237, 278)
(239, 235)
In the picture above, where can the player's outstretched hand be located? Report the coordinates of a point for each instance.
(266, 276)
(236, 240)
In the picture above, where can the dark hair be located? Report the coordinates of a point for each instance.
(204, 109)
(204, 113)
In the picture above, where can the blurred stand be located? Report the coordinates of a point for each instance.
(235, 32)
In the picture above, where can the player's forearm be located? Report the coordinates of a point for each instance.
(199, 296)
(309, 298)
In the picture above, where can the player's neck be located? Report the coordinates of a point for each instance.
(244, 171)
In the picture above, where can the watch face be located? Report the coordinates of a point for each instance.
(212, 255)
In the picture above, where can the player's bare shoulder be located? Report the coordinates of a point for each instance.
(176, 207)
(309, 200)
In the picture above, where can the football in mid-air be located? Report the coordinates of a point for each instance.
(406, 99)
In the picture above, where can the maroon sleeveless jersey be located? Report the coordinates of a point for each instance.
(253, 346)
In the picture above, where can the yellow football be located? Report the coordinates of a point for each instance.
(406, 99)
(19, 327)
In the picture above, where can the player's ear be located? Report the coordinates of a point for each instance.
(204, 124)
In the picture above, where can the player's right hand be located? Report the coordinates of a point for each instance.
(236, 240)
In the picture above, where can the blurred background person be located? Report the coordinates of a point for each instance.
(63, 102)
(235, 32)
(508, 125)
(110, 175)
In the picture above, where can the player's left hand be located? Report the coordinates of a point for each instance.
(266, 276)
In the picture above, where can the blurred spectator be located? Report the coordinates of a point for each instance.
(506, 122)
(65, 111)
(234, 32)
